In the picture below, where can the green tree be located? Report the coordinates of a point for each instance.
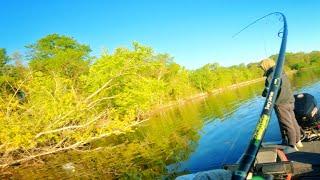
(59, 54)
(10, 75)
(17, 58)
(3, 57)
(122, 76)
(314, 57)
(206, 77)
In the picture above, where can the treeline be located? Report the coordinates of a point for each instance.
(300, 60)
(65, 99)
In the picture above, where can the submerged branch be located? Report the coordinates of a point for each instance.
(30, 157)
(70, 127)
(75, 146)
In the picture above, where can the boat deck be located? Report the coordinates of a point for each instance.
(303, 164)
(306, 162)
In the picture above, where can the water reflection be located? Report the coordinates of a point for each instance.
(224, 104)
(223, 142)
(167, 138)
(200, 135)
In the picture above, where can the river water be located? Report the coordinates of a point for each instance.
(198, 135)
(223, 139)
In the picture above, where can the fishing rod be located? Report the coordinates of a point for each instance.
(249, 156)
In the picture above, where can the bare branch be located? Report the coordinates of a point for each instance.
(93, 103)
(70, 127)
(100, 89)
(105, 85)
(39, 155)
(74, 146)
(19, 87)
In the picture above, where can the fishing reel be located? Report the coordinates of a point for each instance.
(271, 163)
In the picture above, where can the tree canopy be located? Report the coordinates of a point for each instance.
(4, 58)
(59, 54)
(66, 100)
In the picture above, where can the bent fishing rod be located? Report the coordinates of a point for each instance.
(248, 158)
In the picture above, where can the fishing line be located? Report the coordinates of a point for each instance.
(279, 34)
(248, 158)
(264, 44)
(254, 22)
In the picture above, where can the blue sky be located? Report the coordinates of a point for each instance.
(193, 32)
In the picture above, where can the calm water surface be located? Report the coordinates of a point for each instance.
(196, 136)
(229, 120)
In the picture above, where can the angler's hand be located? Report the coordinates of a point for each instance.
(265, 92)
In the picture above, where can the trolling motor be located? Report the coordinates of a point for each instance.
(271, 162)
(308, 116)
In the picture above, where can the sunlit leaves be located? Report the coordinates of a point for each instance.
(65, 100)
(60, 55)
(3, 57)
(213, 76)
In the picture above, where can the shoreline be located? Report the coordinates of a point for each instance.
(203, 95)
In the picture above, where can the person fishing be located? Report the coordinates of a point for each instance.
(284, 106)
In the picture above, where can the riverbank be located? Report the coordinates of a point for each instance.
(214, 92)
(164, 138)
(203, 95)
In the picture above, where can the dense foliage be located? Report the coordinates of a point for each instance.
(67, 100)
(302, 60)
(213, 76)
